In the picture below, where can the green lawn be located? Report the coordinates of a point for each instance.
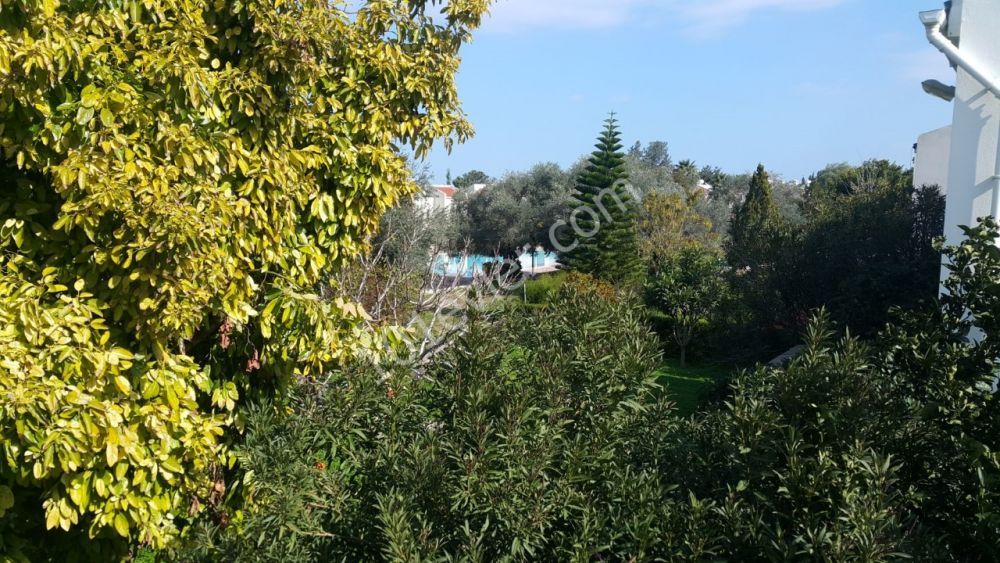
(689, 386)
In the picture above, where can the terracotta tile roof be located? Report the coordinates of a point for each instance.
(447, 191)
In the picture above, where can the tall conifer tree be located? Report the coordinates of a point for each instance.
(755, 239)
(604, 214)
(756, 226)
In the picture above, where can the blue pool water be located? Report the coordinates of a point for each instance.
(468, 266)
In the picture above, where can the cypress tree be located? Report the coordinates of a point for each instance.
(604, 214)
(755, 238)
(755, 226)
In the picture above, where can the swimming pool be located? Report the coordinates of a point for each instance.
(469, 266)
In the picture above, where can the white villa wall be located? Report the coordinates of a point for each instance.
(431, 204)
(972, 176)
(436, 200)
(930, 167)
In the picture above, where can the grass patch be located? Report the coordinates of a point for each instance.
(542, 289)
(690, 386)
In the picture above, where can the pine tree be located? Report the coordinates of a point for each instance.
(604, 215)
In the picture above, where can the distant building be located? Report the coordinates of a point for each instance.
(930, 164)
(439, 198)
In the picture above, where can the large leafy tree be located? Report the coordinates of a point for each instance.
(178, 177)
(669, 224)
(864, 254)
(655, 154)
(689, 287)
(603, 220)
(516, 211)
(650, 169)
(471, 178)
(865, 245)
(837, 181)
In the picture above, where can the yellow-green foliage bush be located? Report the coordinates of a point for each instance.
(178, 177)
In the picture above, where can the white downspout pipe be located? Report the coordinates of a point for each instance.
(933, 21)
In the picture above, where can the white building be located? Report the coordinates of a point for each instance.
(967, 164)
(930, 165)
(440, 198)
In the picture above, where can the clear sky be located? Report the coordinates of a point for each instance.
(795, 84)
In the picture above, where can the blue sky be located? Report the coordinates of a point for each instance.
(795, 84)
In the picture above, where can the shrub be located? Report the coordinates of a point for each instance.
(541, 435)
(532, 438)
(543, 289)
(864, 451)
(787, 471)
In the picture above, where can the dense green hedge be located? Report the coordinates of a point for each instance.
(542, 435)
(528, 439)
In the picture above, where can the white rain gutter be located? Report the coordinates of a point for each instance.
(935, 20)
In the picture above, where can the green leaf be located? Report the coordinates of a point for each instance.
(52, 518)
(111, 454)
(84, 115)
(107, 118)
(123, 385)
(152, 389)
(6, 499)
(171, 465)
(121, 525)
(89, 96)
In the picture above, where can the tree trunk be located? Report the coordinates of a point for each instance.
(682, 335)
